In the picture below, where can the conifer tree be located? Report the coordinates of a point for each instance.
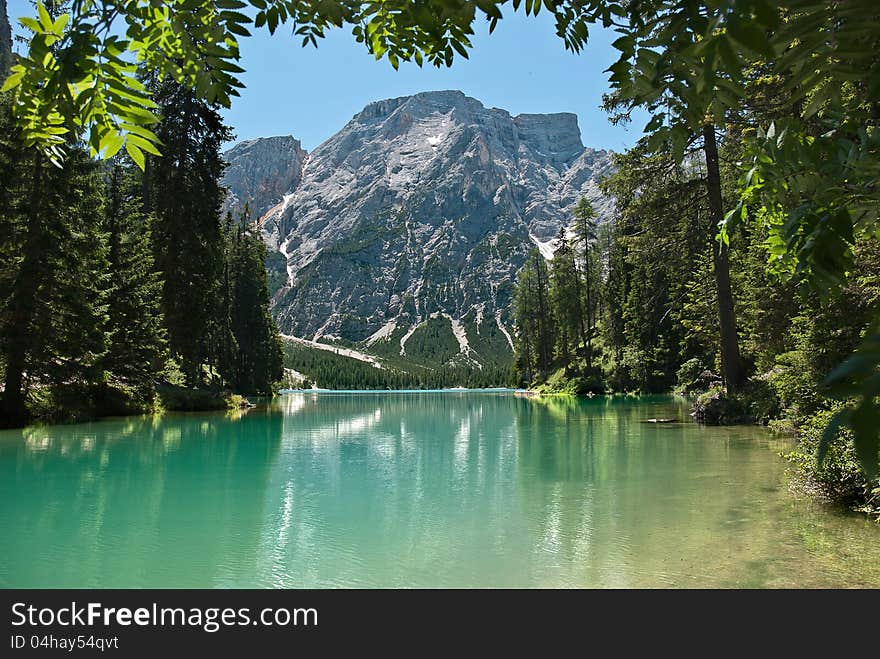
(136, 333)
(258, 351)
(525, 338)
(533, 319)
(53, 318)
(585, 230)
(184, 193)
(565, 299)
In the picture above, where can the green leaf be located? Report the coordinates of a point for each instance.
(13, 79)
(749, 35)
(30, 23)
(45, 20)
(61, 23)
(110, 144)
(141, 143)
(238, 29)
(461, 49)
(625, 44)
(831, 431)
(136, 154)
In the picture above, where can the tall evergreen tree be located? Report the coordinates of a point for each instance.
(657, 239)
(585, 229)
(545, 333)
(5, 42)
(258, 350)
(52, 321)
(565, 296)
(135, 328)
(183, 191)
(533, 319)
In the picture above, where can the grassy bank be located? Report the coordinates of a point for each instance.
(78, 404)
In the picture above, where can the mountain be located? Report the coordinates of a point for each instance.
(404, 231)
(259, 172)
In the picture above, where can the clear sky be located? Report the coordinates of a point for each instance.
(311, 93)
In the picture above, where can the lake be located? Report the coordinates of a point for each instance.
(470, 489)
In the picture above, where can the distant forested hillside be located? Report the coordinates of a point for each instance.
(328, 370)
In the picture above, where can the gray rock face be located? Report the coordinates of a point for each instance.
(423, 207)
(260, 172)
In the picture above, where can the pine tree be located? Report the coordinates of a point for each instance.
(566, 299)
(524, 335)
(585, 230)
(258, 354)
(533, 319)
(658, 244)
(184, 193)
(52, 321)
(136, 333)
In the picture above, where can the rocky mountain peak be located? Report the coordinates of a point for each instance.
(260, 172)
(416, 216)
(553, 136)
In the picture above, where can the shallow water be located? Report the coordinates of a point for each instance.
(417, 489)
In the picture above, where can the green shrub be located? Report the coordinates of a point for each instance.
(689, 372)
(758, 401)
(839, 478)
(794, 383)
(181, 399)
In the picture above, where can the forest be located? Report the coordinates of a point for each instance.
(328, 370)
(657, 301)
(122, 289)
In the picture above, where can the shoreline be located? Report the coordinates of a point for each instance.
(449, 390)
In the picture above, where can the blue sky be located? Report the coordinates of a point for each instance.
(311, 93)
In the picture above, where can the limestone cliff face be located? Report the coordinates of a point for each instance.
(421, 209)
(260, 172)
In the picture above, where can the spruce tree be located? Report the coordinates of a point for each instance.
(585, 230)
(136, 333)
(565, 299)
(525, 337)
(53, 318)
(259, 354)
(533, 319)
(183, 191)
(654, 263)
(5, 42)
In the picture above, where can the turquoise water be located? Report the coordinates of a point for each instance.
(417, 489)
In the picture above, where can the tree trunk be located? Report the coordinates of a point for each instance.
(21, 307)
(732, 368)
(543, 316)
(580, 311)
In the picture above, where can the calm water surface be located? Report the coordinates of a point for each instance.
(417, 489)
